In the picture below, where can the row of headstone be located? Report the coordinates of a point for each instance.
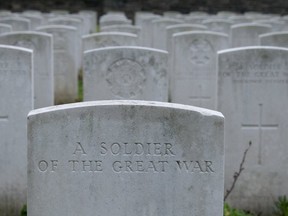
(143, 73)
(34, 72)
(55, 76)
(98, 146)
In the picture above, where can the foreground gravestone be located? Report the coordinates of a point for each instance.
(16, 86)
(194, 74)
(41, 44)
(125, 73)
(252, 94)
(125, 158)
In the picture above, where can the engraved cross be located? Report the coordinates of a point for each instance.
(260, 126)
(200, 97)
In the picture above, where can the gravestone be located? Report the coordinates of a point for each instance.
(252, 94)
(195, 19)
(194, 73)
(159, 31)
(122, 28)
(4, 28)
(218, 25)
(35, 20)
(247, 34)
(147, 30)
(172, 29)
(125, 158)
(278, 39)
(65, 63)
(42, 46)
(114, 19)
(106, 39)
(92, 16)
(277, 25)
(125, 73)
(16, 86)
(140, 15)
(240, 19)
(18, 24)
(76, 23)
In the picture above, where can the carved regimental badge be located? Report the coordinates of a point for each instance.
(200, 52)
(126, 78)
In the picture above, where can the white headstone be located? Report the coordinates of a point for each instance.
(66, 21)
(194, 73)
(106, 39)
(140, 15)
(125, 158)
(42, 46)
(278, 39)
(92, 16)
(247, 34)
(65, 63)
(125, 73)
(173, 29)
(252, 94)
(4, 28)
(18, 24)
(16, 86)
(195, 19)
(35, 20)
(122, 28)
(159, 31)
(114, 19)
(147, 30)
(218, 25)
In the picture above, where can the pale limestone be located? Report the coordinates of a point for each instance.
(16, 87)
(65, 62)
(17, 23)
(125, 73)
(152, 180)
(194, 72)
(252, 94)
(247, 34)
(42, 46)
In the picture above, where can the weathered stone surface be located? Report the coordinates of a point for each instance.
(194, 73)
(65, 62)
(42, 46)
(125, 158)
(125, 73)
(247, 34)
(16, 87)
(252, 94)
